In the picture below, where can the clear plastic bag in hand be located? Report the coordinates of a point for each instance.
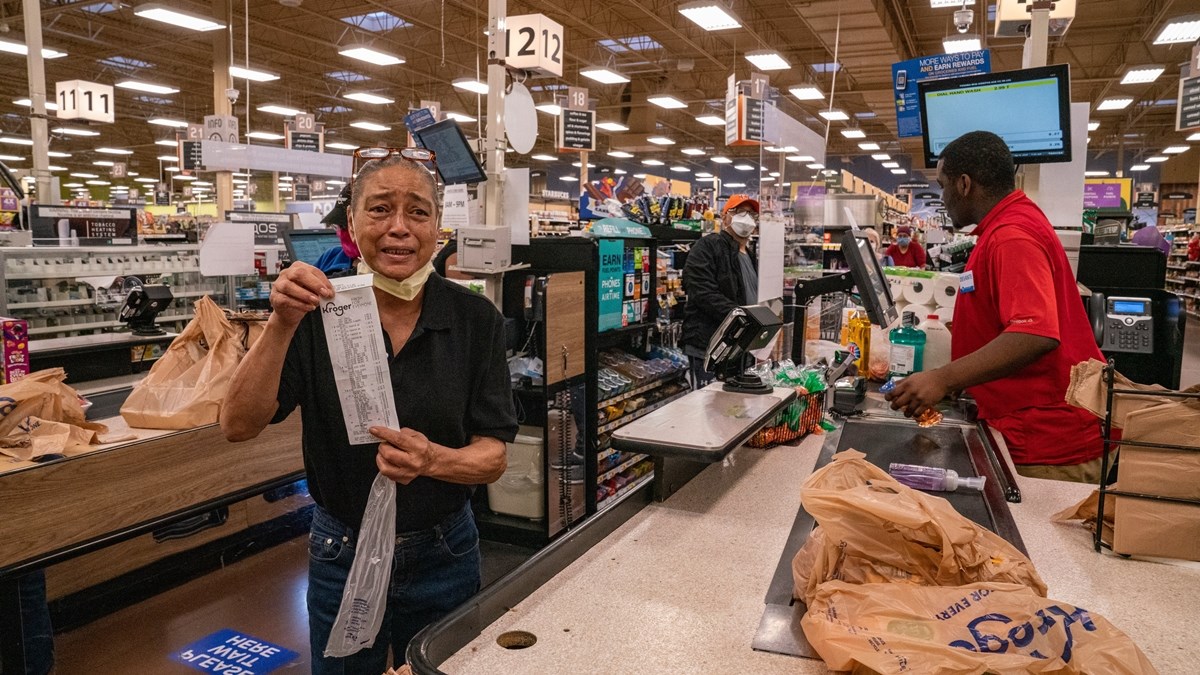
(365, 596)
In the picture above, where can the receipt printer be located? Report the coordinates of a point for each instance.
(484, 248)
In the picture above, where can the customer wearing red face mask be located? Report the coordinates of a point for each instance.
(904, 252)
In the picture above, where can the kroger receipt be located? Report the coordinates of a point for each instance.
(359, 356)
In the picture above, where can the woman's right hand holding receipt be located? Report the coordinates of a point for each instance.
(297, 291)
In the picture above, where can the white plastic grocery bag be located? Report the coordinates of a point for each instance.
(365, 596)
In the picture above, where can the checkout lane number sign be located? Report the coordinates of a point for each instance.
(233, 653)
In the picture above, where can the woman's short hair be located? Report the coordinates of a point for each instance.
(377, 165)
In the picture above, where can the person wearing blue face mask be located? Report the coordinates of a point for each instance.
(904, 253)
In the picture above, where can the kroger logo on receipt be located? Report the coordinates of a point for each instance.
(331, 308)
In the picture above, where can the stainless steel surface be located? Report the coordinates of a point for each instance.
(703, 426)
(779, 632)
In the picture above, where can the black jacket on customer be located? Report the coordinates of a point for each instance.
(712, 280)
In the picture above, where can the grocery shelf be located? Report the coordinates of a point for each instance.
(51, 303)
(607, 501)
(1177, 267)
(47, 330)
(605, 452)
(80, 274)
(642, 389)
(621, 467)
(639, 413)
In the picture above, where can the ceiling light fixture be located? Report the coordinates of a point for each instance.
(371, 55)
(681, 169)
(264, 136)
(97, 182)
(1142, 74)
(743, 167)
(660, 140)
(279, 110)
(652, 162)
(603, 75)
(1095, 174)
(167, 143)
(457, 117)
(15, 141)
(883, 157)
(1092, 126)
(102, 162)
(711, 120)
(252, 75)
(854, 133)
(721, 160)
(365, 97)
(341, 146)
(75, 131)
(19, 48)
(470, 84)
(735, 185)
(1140, 167)
(767, 59)
(694, 152)
(899, 172)
(1175, 150)
(612, 126)
(891, 165)
(1118, 103)
(957, 44)
(84, 175)
(868, 146)
(834, 115)
(11, 158)
(807, 92)
(668, 102)
(168, 158)
(1157, 160)
(50, 105)
(709, 15)
(1181, 29)
(164, 122)
(145, 180)
(550, 109)
(544, 158)
(175, 17)
(620, 154)
(114, 151)
(370, 126)
(146, 87)
(53, 153)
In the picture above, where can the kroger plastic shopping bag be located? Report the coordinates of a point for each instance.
(873, 529)
(41, 415)
(186, 387)
(1005, 629)
(364, 599)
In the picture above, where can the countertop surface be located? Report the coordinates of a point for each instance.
(680, 587)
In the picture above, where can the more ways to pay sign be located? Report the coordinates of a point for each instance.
(906, 75)
(232, 653)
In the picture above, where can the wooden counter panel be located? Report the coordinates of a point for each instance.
(60, 504)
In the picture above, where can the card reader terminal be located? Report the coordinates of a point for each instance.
(1129, 326)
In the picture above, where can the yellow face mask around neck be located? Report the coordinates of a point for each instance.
(405, 290)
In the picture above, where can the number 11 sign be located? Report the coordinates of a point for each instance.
(80, 100)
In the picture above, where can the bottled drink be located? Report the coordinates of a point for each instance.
(858, 341)
(937, 343)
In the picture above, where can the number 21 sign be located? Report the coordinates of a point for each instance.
(80, 100)
(535, 43)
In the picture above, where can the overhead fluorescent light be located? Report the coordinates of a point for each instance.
(1175, 150)
(956, 44)
(72, 185)
(371, 55)
(50, 105)
(711, 120)
(84, 175)
(652, 162)
(1194, 138)
(457, 117)
(891, 165)
(703, 174)
(175, 17)
(721, 160)
(365, 97)
(264, 136)
(735, 185)
(145, 180)
(1140, 167)
(660, 140)
(694, 152)
(579, 165)
(1095, 174)
(15, 141)
(164, 122)
(1118, 103)
(612, 126)
(168, 158)
(743, 167)
(167, 143)
(569, 179)
(899, 172)
(767, 179)
(801, 158)
(619, 172)
(114, 151)
(603, 75)
(620, 154)
(341, 146)
(55, 153)
(1142, 74)
(544, 158)
(854, 133)
(783, 149)
(75, 131)
(172, 169)
(187, 178)
(286, 179)
(470, 84)
(147, 87)
(834, 115)
(868, 146)
(710, 15)
(550, 109)
(97, 182)
(252, 74)
(14, 47)
(370, 126)
(806, 92)
(102, 162)
(668, 102)
(279, 110)
(1157, 160)
(681, 169)
(1092, 126)
(883, 157)
(1179, 30)
(11, 158)
(767, 59)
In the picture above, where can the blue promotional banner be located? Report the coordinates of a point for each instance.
(233, 653)
(906, 75)
(612, 282)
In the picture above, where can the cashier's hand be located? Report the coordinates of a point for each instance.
(297, 291)
(403, 454)
(917, 392)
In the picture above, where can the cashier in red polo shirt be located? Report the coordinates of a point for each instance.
(1019, 325)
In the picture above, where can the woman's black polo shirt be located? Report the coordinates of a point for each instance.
(450, 382)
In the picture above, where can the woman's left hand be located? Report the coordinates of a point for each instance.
(403, 455)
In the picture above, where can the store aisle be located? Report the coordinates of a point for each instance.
(261, 596)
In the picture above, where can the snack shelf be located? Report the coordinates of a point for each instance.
(607, 501)
(674, 375)
(621, 467)
(639, 413)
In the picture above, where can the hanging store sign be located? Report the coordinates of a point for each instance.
(119, 170)
(221, 128)
(82, 226)
(535, 42)
(1187, 114)
(1179, 195)
(906, 75)
(304, 134)
(301, 191)
(268, 227)
(1144, 200)
(744, 117)
(162, 195)
(80, 100)
(191, 153)
(577, 130)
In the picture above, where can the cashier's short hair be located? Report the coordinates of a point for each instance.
(376, 165)
(984, 157)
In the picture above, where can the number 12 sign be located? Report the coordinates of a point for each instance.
(80, 100)
(535, 43)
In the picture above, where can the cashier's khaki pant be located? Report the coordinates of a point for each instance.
(1088, 472)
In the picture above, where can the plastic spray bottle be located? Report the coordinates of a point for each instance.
(933, 478)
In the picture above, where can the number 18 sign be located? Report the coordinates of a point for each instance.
(535, 42)
(80, 100)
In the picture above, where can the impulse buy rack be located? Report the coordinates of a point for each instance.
(1109, 381)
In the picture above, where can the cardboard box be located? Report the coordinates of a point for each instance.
(15, 349)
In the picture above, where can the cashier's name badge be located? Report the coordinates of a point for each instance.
(966, 282)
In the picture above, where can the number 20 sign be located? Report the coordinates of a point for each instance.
(535, 43)
(80, 100)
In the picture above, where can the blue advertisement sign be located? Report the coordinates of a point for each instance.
(906, 75)
(233, 653)
(612, 282)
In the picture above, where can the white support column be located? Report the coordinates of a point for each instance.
(1035, 55)
(39, 129)
(495, 143)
